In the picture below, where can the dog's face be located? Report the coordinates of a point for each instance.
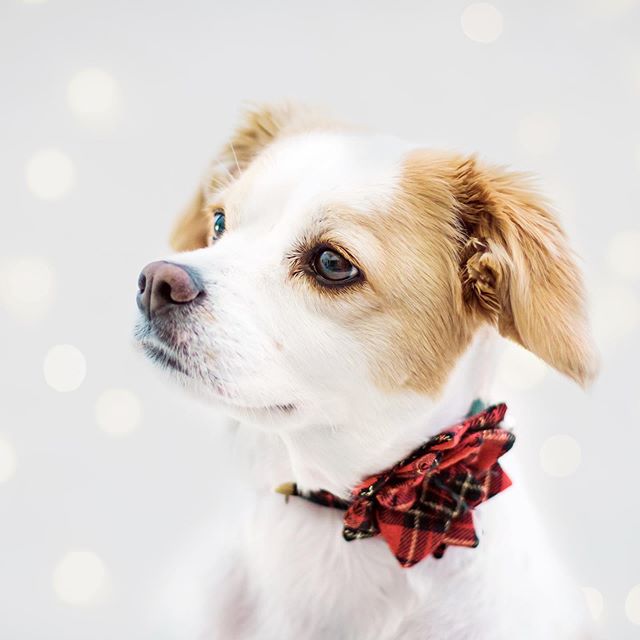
(324, 270)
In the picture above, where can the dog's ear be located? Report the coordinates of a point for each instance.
(259, 127)
(518, 270)
(262, 125)
(193, 228)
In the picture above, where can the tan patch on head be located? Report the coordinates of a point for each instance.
(260, 127)
(467, 245)
(419, 284)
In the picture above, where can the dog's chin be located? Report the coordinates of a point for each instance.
(209, 389)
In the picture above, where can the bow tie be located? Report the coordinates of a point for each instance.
(423, 503)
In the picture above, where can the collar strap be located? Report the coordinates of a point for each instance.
(423, 503)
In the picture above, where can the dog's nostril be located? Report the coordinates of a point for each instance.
(164, 291)
(142, 282)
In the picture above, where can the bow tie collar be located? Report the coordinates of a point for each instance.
(423, 503)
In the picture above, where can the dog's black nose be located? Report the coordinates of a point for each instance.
(162, 285)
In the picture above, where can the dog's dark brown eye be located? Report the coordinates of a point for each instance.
(331, 267)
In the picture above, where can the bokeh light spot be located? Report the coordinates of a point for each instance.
(632, 605)
(118, 411)
(93, 94)
(79, 577)
(50, 174)
(612, 7)
(595, 602)
(482, 22)
(8, 462)
(27, 286)
(64, 367)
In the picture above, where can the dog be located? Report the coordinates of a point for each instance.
(342, 295)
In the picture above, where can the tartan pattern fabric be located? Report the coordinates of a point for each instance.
(424, 503)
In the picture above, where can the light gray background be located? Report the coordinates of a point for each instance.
(558, 93)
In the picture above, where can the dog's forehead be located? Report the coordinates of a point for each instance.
(298, 176)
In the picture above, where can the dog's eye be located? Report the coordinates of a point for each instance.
(218, 224)
(330, 267)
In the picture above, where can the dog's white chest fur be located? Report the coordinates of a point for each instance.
(286, 573)
(302, 580)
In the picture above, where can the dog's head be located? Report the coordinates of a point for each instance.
(323, 267)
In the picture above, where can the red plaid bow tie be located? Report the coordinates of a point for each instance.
(424, 503)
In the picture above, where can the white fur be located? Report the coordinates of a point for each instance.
(282, 570)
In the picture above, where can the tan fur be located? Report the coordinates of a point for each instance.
(194, 226)
(418, 282)
(259, 128)
(527, 267)
(517, 271)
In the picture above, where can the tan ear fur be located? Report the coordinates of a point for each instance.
(193, 228)
(260, 126)
(518, 270)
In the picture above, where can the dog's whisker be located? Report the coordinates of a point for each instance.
(235, 157)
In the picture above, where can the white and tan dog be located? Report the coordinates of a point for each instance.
(342, 294)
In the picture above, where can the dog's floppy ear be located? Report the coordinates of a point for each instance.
(259, 128)
(518, 270)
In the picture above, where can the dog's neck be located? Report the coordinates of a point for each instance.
(337, 457)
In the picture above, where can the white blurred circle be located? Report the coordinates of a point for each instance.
(482, 22)
(612, 7)
(118, 411)
(632, 605)
(92, 94)
(26, 286)
(8, 461)
(519, 369)
(538, 134)
(595, 602)
(64, 367)
(615, 314)
(78, 577)
(50, 174)
(624, 254)
(560, 455)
